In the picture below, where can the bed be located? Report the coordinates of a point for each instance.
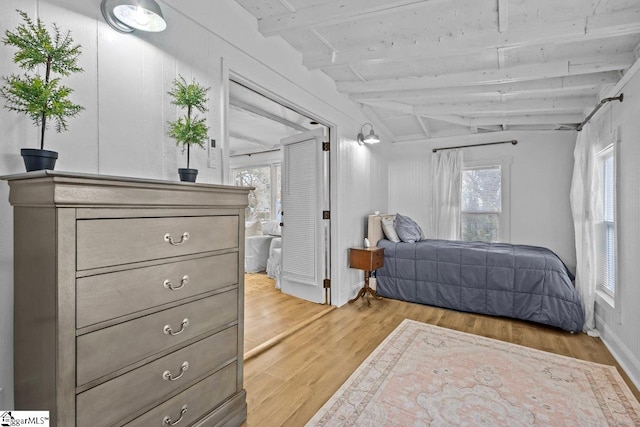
(518, 281)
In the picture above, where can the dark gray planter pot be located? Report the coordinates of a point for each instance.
(36, 159)
(188, 175)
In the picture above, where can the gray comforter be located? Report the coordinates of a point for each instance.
(522, 282)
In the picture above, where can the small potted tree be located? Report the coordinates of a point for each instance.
(190, 129)
(41, 97)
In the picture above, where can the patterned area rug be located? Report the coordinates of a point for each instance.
(427, 375)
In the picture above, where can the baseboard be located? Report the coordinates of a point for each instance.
(349, 293)
(629, 363)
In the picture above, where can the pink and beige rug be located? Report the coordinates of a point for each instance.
(427, 375)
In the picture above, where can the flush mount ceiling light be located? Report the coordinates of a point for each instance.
(128, 15)
(371, 138)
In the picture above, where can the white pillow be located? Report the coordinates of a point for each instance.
(389, 229)
(253, 228)
(408, 230)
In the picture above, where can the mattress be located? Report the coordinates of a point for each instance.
(517, 281)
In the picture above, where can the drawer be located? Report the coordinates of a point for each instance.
(193, 403)
(107, 242)
(107, 296)
(109, 349)
(366, 259)
(125, 395)
(377, 260)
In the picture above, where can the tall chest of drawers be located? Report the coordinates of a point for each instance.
(128, 300)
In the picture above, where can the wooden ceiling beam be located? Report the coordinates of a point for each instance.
(336, 12)
(519, 73)
(580, 30)
(581, 82)
(518, 107)
(424, 125)
(538, 106)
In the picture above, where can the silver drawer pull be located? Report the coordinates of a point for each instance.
(167, 420)
(184, 238)
(168, 331)
(168, 285)
(166, 375)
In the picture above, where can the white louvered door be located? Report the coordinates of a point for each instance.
(304, 234)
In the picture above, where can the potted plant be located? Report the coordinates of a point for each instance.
(41, 97)
(190, 129)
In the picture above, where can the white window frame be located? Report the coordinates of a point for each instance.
(274, 193)
(609, 309)
(504, 234)
(604, 294)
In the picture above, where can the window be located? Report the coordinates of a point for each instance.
(265, 200)
(607, 229)
(481, 204)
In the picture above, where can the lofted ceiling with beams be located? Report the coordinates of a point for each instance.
(423, 69)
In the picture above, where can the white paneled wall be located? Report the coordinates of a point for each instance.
(541, 167)
(620, 327)
(410, 184)
(123, 128)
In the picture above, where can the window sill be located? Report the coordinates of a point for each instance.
(605, 299)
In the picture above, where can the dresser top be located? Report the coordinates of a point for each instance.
(57, 188)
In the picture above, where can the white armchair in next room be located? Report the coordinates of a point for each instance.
(274, 263)
(258, 237)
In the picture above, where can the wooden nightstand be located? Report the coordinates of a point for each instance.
(367, 259)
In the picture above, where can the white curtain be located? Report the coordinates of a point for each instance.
(446, 169)
(586, 208)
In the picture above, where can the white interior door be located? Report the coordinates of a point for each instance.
(305, 234)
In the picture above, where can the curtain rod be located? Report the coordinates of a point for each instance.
(595, 110)
(513, 141)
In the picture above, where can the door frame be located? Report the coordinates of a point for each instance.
(227, 74)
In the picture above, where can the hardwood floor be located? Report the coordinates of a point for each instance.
(288, 383)
(271, 314)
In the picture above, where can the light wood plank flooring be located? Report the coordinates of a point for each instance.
(288, 383)
(269, 313)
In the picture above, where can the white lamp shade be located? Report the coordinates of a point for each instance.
(127, 15)
(372, 138)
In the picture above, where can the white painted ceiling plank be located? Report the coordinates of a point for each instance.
(358, 74)
(611, 25)
(581, 82)
(335, 12)
(287, 5)
(324, 41)
(503, 22)
(615, 91)
(574, 105)
(450, 118)
(424, 125)
(508, 75)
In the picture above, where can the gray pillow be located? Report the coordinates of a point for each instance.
(408, 230)
(389, 229)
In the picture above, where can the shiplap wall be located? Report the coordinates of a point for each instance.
(541, 167)
(122, 131)
(620, 327)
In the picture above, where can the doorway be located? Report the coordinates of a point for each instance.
(259, 128)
